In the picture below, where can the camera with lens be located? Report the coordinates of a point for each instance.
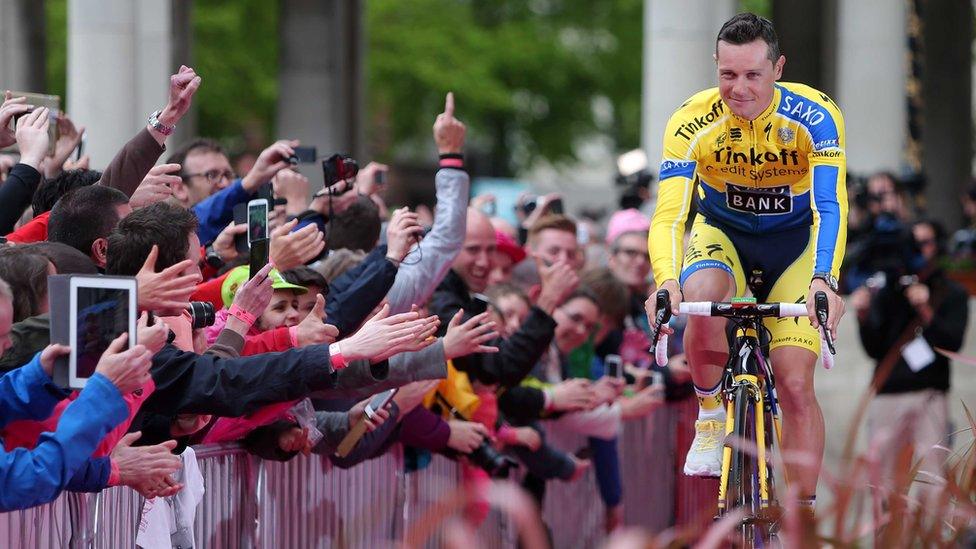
(202, 313)
(493, 462)
(886, 254)
(485, 456)
(339, 167)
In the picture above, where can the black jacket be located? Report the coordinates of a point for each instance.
(359, 290)
(889, 317)
(517, 354)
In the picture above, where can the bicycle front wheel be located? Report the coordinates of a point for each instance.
(743, 492)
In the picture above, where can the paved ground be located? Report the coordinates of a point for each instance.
(841, 388)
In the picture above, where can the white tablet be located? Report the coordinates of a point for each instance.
(100, 309)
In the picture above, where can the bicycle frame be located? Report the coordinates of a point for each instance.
(749, 367)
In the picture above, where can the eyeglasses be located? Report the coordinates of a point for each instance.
(214, 176)
(925, 242)
(632, 253)
(579, 319)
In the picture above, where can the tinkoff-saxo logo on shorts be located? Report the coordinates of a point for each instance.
(759, 201)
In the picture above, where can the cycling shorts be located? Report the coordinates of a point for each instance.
(774, 267)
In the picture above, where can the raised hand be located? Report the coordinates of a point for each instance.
(269, 162)
(313, 329)
(32, 137)
(470, 337)
(401, 232)
(558, 281)
(366, 178)
(166, 292)
(384, 336)
(293, 249)
(147, 469)
(156, 186)
(293, 187)
(68, 138)
(182, 86)
(153, 338)
(571, 395)
(11, 107)
(127, 369)
(449, 131)
(224, 243)
(412, 394)
(358, 413)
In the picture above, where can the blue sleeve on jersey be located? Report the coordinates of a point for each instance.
(825, 199)
(677, 168)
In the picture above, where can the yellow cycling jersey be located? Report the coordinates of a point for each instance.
(783, 170)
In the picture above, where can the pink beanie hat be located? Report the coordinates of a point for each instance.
(626, 221)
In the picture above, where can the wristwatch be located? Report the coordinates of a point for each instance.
(828, 278)
(213, 258)
(159, 126)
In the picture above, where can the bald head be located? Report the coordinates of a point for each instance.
(474, 263)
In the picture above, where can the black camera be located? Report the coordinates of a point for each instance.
(339, 167)
(495, 463)
(202, 313)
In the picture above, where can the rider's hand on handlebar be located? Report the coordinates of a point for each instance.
(651, 304)
(835, 309)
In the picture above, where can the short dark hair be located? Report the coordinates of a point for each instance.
(197, 145)
(557, 222)
(305, 276)
(26, 273)
(66, 259)
(84, 215)
(613, 296)
(162, 224)
(746, 28)
(49, 191)
(941, 236)
(496, 292)
(357, 228)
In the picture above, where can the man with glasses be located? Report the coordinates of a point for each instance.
(209, 186)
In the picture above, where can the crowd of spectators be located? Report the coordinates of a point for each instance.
(488, 331)
(493, 334)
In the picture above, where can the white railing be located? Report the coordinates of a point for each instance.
(308, 503)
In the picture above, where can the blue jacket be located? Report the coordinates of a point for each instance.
(30, 477)
(217, 210)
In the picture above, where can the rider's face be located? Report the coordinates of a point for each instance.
(746, 76)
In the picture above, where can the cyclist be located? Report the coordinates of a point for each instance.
(764, 162)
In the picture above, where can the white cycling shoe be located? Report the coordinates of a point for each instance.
(705, 456)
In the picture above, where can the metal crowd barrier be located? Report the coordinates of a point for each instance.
(307, 502)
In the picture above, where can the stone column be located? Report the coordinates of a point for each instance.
(679, 44)
(871, 72)
(320, 99)
(807, 35)
(947, 90)
(22, 48)
(119, 62)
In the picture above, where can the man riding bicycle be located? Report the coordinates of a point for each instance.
(768, 160)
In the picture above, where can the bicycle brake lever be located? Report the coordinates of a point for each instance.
(820, 306)
(663, 314)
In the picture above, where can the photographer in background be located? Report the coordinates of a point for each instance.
(879, 242)
(904, 314)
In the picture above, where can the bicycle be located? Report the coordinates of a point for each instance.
(748, 385)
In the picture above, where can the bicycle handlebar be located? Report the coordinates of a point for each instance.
(659, 342)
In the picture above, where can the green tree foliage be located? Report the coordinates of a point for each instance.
(235, 50)
(525, 74)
